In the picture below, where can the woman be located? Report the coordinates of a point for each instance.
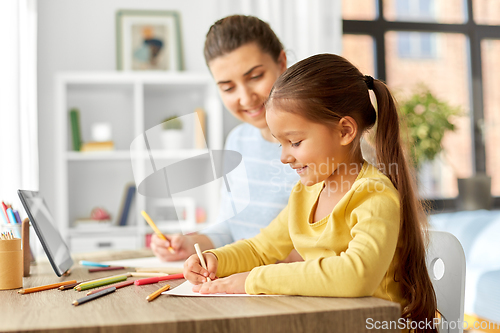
(245, 58)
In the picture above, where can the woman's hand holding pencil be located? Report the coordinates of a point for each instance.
(181, 245)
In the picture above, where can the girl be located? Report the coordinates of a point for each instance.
(245, 58)
(359, 228)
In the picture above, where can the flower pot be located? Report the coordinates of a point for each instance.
(474, 193)
(172, 139)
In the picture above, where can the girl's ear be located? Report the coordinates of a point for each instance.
(348, 130)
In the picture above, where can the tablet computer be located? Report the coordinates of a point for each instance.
(53, 244)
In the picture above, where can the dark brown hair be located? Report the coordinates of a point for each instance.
(229, 33)
(325, 88)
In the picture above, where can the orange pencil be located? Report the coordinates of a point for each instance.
(47, 287)
(157, 293)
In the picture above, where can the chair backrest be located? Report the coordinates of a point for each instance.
(446, 265)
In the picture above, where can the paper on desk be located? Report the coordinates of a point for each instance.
(147, 263)
(186, 289)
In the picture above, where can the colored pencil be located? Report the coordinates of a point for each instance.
(168, 270)
(147, 274)
(68, 286)
(200, 256)
(101, 269)
(117, 286)
(91, 263)
(47, 287)
(157, 293)
(141, 282)
(156, 230)
(99, 283)
(106, 277)
(94, 296)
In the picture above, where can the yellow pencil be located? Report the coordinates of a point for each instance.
(156, 230)
(157, 293)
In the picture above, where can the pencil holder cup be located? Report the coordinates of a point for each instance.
(11, 264)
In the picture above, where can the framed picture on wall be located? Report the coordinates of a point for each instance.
(148, 40)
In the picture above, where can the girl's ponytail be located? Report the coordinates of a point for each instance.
(412, 271)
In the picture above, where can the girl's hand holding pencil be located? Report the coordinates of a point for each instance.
(194, 271)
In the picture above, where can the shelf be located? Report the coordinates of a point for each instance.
(125, 155)
(125, 77)
(133, 103)
(98, 155)
(114, 230)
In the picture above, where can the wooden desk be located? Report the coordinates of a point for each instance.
(127, 310)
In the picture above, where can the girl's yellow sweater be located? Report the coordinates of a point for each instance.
(349, 253)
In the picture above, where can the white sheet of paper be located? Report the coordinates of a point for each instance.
(186, 289)
(146, 263)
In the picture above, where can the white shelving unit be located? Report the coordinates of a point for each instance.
(132, 103)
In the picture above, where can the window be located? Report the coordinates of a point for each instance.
(452, 47)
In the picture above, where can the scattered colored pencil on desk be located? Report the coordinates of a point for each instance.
(117, 286)
(91, 263)
(141, 282)
(101, 269)
(69, 286)
(94, 296)
(148, 274)
(47, 287)
(157, 293)
(101, 278)
(168, 270)
(101, 282)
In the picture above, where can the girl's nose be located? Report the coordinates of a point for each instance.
(286, 157)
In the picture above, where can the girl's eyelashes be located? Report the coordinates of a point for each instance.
(228, 89)
(296, 144)
(257, 76)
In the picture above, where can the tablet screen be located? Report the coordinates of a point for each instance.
(56, 249)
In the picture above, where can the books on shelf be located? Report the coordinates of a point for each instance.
(126, 203)
(97, 146)
(74, 115)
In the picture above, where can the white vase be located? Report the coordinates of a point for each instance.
(172, 139)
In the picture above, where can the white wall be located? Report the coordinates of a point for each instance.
(79, 35)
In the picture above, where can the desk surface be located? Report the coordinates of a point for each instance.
(127, 310)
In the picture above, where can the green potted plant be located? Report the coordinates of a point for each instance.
(427, 120)
(172, 135)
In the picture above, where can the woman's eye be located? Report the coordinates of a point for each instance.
(227, 89)
(296, 144)
(256, 77)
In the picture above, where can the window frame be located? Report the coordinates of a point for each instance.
(474, 34)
